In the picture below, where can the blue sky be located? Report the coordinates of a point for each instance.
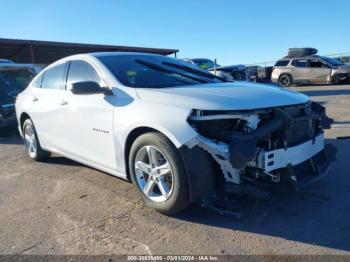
(233, 31)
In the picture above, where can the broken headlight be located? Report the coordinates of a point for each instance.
(211, 123)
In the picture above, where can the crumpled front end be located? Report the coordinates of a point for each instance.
(268, 147)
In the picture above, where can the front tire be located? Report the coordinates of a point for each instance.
(32, 143)
(285, 80)
(158, 172)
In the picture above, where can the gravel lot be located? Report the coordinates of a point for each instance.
(62, 207)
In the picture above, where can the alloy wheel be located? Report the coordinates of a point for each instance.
(30, 140)
(154, 174)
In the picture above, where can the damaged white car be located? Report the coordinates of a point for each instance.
(177, 132)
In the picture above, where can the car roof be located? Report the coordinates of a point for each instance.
(101, 54)
(300, 57)
(96, 55)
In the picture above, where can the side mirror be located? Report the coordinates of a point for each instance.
(89, 88)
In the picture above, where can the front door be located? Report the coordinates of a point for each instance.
(88, 124)
(319, 72)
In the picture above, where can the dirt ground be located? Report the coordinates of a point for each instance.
(62, 207)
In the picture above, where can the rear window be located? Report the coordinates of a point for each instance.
(299, 63)
(53, 77)
(37, 82)
(282, 63)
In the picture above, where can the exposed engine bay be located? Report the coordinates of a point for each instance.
(265, 146)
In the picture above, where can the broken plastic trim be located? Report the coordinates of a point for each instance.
(221, 153)
(199, 115)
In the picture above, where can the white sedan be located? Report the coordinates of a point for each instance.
(177, 132)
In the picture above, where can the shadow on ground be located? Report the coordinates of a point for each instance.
(10, 139)
(60, 160)
(339, 92)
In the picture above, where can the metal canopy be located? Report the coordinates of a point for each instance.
(46, 52)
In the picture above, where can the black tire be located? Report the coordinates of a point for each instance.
(37, 154)
(179, 197)
(285, 80)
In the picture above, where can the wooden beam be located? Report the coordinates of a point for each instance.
(32, 53)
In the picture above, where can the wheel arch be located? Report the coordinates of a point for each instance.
(285, 73)
(201, 180)
(132, 136)
(24, 116)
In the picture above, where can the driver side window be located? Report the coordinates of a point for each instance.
(318, 64)
(80, 71)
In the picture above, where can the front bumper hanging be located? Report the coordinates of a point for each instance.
(291, 156)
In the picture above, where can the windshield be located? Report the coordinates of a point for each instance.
(332, 61)
(151, 71)
(14, 82)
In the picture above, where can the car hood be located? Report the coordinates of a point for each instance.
(345, 67)
(223, 96)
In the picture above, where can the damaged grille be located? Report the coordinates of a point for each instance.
(298, 124)
(243, 135)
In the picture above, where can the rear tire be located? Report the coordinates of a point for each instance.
(285, 80)
(166, 190)
(32, 143)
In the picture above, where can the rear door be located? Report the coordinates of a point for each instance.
(46, 106)
(300, 70)
(319, 71)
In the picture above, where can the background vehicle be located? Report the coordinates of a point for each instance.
(179, 133)
(230, 73)
(5, 61)
(305, 67)
(14, 78)
(252, 73)
(264, 74)
(203, 63)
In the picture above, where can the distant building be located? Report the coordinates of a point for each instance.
(46, 52)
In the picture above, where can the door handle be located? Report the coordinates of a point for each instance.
(63, 103)
(35, 99)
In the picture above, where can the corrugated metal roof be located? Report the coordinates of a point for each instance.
(46, 52)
